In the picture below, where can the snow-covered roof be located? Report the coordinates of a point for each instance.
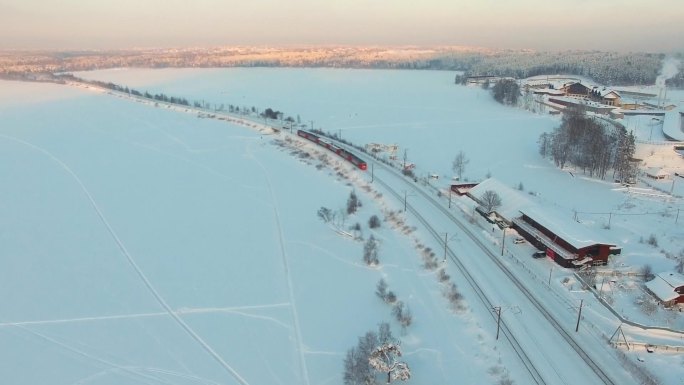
(656, 172)
(664, 285)
(607, 93)
(574, 233)
(511, 200)
(672, 127)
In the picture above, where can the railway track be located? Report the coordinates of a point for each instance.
(533, 300)
(520, 352)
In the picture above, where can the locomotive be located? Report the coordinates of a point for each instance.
(323, 142)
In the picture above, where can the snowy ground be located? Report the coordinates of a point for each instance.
(156, 153)
(147, 246)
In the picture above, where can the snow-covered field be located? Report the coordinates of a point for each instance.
(144, 245)
(149, 246)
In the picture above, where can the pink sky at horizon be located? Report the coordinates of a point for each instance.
(616, 25)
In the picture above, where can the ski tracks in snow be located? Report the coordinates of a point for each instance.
(286, 267)
(160, 300)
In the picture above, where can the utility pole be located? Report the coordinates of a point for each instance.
(404, 200)
(601, 288)
(550, 272)
(677, 217)
(579, 316)
(405, 150)
(450, 199)
(445, 245)
(498, 320)
(503, 239)
(372, 173)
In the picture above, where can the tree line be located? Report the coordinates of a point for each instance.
(590, 145)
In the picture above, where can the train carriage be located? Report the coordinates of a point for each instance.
(328, 144)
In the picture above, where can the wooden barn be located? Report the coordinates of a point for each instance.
(567, 242)
(668, 288)
(576, 89)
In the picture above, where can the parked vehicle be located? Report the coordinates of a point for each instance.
(539, 254)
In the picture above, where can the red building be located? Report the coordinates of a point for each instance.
(567, 242)
(668, 288)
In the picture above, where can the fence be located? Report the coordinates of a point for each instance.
(649, 347)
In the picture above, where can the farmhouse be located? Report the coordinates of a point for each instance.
(668, 288)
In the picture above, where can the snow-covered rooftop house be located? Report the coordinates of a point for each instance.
(568, 243)
(656, 173)
(565, 241)
(668, 288)
(576, 89)
(606, 96)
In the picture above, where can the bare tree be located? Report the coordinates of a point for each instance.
(357, 367)
(647, 272)
(326, 214)
(490, 200)
(384, 359)
(459, 164)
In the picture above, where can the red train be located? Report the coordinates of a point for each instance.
(323, 142)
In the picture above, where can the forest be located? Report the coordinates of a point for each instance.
(591, 145)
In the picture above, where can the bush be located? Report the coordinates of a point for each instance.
(652, 240)
(442, 275)
(381, 290)
(353, 203)
(370, 252)
(402, 314)
(374, 222)
(647, 272)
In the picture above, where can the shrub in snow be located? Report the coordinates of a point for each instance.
(374, 222)
(402, 314)
(652, 240)
(381, 289)
(391, 297)
(442, 275)
(370, 252)
(454, 297)
(647, 304)
(353, 203)
(647, 272)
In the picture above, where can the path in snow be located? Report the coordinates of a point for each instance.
(286, 267)
(132, 262)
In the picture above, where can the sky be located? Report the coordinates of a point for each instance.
(619, 25)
